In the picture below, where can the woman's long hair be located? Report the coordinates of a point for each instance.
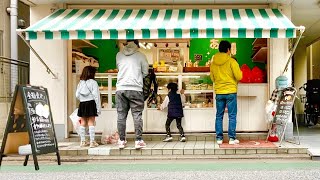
(88, 72)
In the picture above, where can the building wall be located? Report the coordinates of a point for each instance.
(4, 68)
(300, 72)
(54, 53)
(315, 64)
(24, 54)
(23, 49)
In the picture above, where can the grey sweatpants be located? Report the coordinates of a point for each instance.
(126, 100)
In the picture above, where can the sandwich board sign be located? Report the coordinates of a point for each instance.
(30, 122)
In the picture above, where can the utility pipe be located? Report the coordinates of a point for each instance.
(13, 10)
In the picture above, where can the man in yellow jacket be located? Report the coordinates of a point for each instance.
(225, 73)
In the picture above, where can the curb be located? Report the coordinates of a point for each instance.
(177, 157)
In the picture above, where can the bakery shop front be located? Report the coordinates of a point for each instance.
(179, 44)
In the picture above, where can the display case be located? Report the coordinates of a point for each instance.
(199, 109)
(198, 88)
(107, 87)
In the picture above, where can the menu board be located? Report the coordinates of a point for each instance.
(30, 122)
(169, 55)
(285, 105)
(40, 120)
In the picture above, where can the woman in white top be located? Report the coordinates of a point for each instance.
(90, 106)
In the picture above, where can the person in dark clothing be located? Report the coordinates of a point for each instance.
(174, 102)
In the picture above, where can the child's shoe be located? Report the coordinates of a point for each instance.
(219, 141)
(84, 144)
(93, 144)
(183, 139)
(167, 139)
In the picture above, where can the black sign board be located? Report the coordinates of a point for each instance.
(285, 104)
(30, 122)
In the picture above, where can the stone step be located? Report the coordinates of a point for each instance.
(158, 148)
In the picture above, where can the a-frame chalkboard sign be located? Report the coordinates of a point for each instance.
(30, 122)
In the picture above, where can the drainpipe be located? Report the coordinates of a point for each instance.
(13, 11)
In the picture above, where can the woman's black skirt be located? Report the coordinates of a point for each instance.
(87, 109)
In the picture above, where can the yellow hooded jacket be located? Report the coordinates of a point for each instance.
(225, 74)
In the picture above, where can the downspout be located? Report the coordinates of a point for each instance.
(13, 11)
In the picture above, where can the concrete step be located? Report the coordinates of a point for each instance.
(189, 148)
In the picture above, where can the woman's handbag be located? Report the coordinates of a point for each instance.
(75, 119)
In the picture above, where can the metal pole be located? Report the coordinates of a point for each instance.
(13, 9)
(14, 60)
(35, 53)
(301, 29)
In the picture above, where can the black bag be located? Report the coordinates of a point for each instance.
(147, 82)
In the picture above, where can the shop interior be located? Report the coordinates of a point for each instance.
(184, 61)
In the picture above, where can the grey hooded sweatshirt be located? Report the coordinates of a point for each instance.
(133, 67)
(87, 91)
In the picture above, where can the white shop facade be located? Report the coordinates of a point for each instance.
(57, 36)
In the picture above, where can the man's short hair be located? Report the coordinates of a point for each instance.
(224, 46)
(135, 41)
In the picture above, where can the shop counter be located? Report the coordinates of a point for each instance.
(250, 118)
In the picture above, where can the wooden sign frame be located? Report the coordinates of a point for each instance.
(30, 122)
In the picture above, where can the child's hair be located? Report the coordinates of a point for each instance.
(88, 72)
(173, 87)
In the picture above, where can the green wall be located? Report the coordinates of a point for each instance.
(244, 51)
(105, 53)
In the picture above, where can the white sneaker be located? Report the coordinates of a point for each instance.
(140, 144)
(167, 139)
(122, 144)
(84, 143)
(219, 141)
(234, 141)
(93, 144)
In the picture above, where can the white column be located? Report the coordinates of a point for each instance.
(279, 54)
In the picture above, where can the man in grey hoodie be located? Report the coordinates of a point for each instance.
(133, 67)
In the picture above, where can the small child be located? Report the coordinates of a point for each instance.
(174, 102)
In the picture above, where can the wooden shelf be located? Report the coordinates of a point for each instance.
(81, 43)
(260, 55)
(260, 42)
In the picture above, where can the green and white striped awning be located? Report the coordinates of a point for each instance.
(162, 24)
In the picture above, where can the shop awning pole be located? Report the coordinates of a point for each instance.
(301, 29)
(49, 71)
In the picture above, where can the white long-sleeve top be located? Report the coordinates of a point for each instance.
(89, 90)
(167, 100)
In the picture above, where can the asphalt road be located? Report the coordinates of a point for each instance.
(162, 170)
